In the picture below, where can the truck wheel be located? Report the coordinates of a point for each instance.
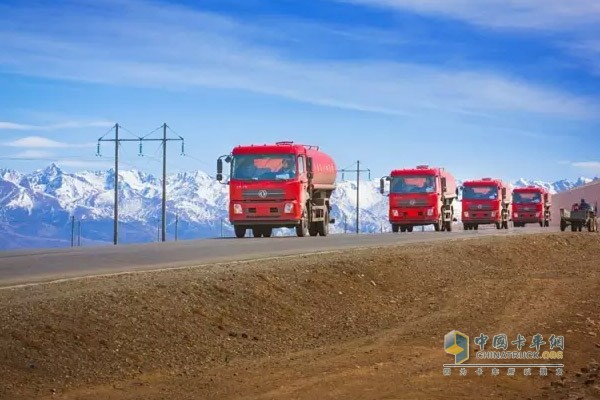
(505, 224)
(402, 229)
(240, 231)
(257, 232)
(573, 228)
(546, 223)
(409, 228)
(313, 230)
(324, 226)
(437, 226)
(267, 231)
(449, 226)
(579, 227)
(395, 228)
(466, 227)
(563, 225)
(476, 227)
(498, 225)
(302, 228)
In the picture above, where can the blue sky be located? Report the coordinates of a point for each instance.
(481, 87)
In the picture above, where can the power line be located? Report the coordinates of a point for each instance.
(118, 143)
(357, 171)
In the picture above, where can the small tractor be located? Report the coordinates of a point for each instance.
(579, 218)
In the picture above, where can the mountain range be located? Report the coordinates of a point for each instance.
(36, 209)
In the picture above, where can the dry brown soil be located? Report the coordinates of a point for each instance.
(362, 324)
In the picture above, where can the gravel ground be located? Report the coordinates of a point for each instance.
(361, 324)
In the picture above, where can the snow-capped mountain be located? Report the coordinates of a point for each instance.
(36, 209)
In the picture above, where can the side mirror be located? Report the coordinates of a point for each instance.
(228, 159)
(219, 170)
(382, 185)
(309, 167)
(456, 192)
(444, 184)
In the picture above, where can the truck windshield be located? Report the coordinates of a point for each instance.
(259, 167)
(413, 184)
(480, 193)
(523, 198)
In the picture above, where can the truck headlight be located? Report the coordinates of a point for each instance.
(288, 208)
(429, 212)
(395, 213)
(237, 209)
(516, 215)
(466, 214)
(493, 214)
(538, 214)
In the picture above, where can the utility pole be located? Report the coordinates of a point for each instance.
(357, 171)
(176, 225)
(140, 140)
(116, 213)
(79, 233)
(164, 185)
(72, 230)
(221, 226)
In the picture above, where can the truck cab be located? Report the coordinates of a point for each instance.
(485, 201)
(531, 204)
(283, 185)
(420, 196)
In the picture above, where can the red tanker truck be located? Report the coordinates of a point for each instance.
(485, 201)
(281, 185)
(531, 204)
(420, 196)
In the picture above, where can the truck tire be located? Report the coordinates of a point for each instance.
(498, 226)
(409, 228)
(504, 224)
(579, 227)
(546, 223)
(402, 229)
(267, 231)
(437, 226)
(573, 227)
(313, 230)
(257, 231)
(240, 231)
(449, 226)
(395, 228)
(466, 227)
(563, 225)
(324, 226)
(476, 227)
(302, 228)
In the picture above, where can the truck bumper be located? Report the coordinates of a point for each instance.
(527, 220)
(480, 221)
(412, 221)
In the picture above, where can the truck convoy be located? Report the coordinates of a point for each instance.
(281, 185)
(420, 196)
(530, 204)
(485, 201)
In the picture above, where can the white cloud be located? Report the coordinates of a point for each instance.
(165, 46)
(38, 142)
(522, 14)
(590, 165)
(31, 155)
(6, 125)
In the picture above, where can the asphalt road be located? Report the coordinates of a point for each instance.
(33, 266)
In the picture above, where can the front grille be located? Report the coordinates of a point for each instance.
(527, 209)
(412, 203)
(263, 194)
(477, 207)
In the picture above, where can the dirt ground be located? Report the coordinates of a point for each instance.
(363, 324)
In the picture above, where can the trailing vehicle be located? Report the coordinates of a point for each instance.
(281, 185)
(530, 204)
(420, 196)
(580, 216)
(485, 201)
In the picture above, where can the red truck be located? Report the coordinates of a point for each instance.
(281, 185)
(531, 204)
(485, 201)
(420, 196)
